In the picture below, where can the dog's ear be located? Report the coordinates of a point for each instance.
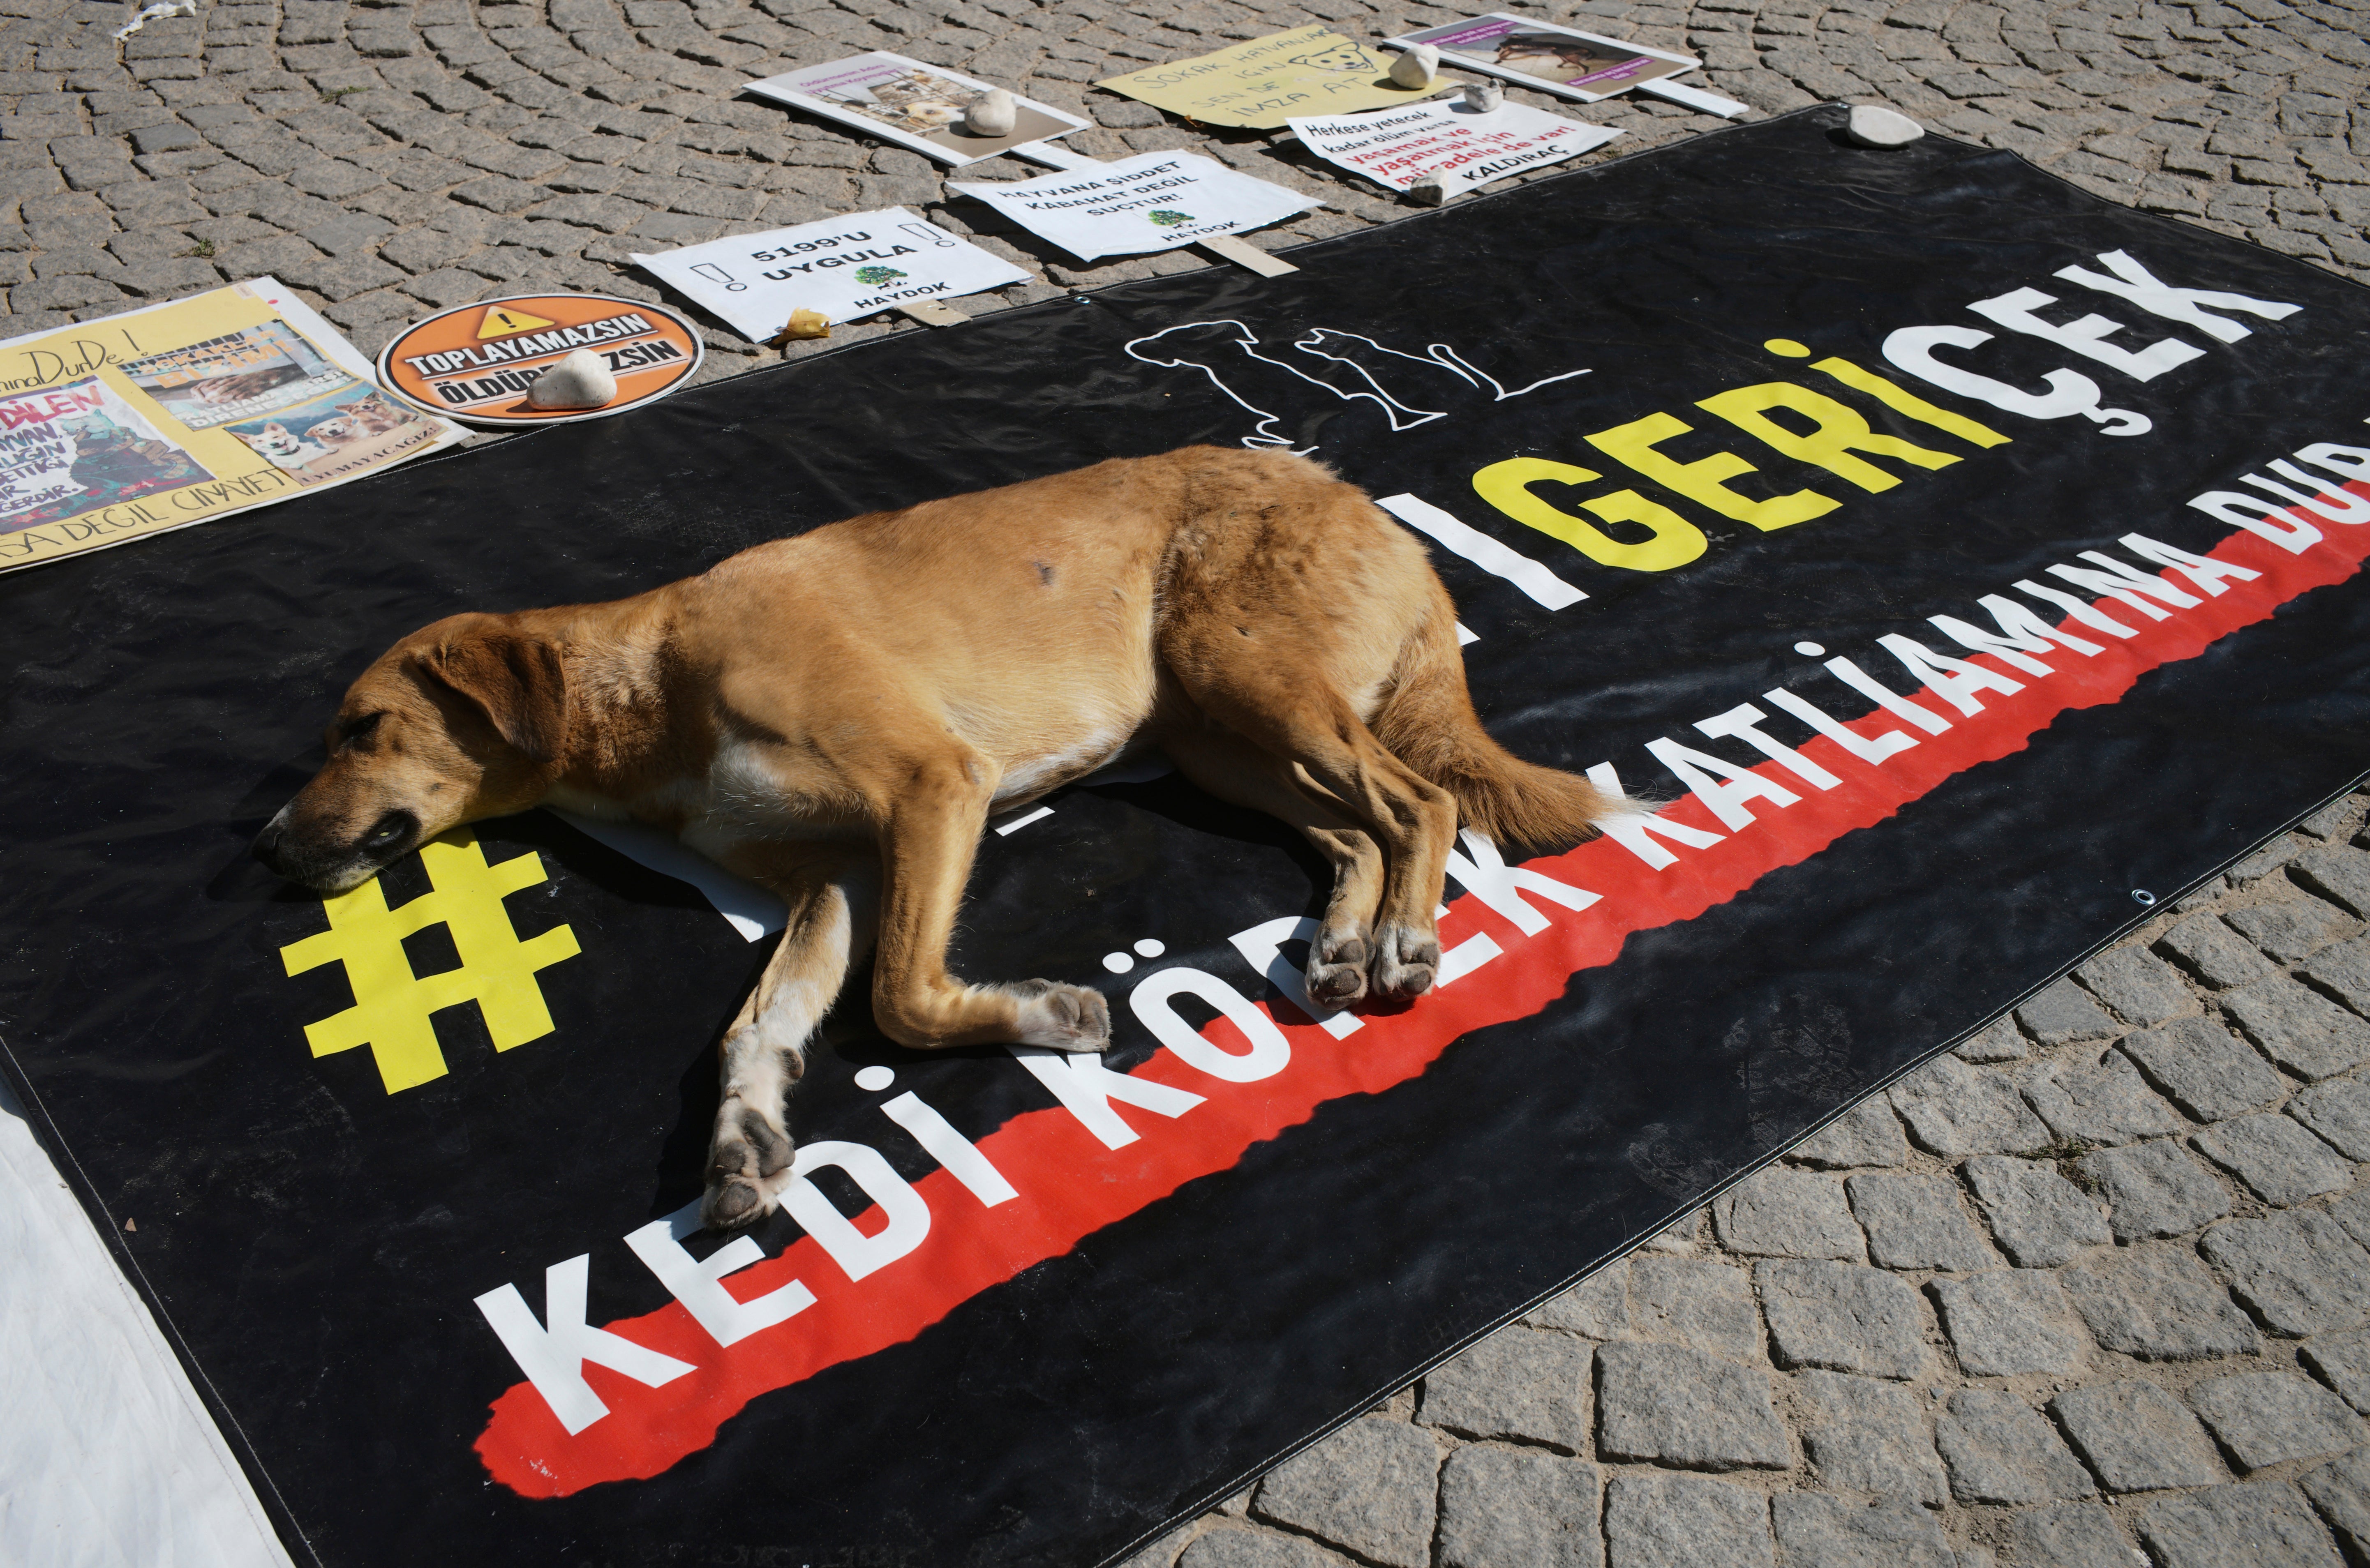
(515, 677)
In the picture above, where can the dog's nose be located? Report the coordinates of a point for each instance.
(267, 845)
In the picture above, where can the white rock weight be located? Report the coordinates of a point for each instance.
(580, 381)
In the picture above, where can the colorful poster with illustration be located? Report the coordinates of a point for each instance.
(912, 104)
(69, 449)
(237, 376)
(846, 268)
(1540, 54)
(1151, 201)
(333, 437)
(1264, 82)
(1463, 147)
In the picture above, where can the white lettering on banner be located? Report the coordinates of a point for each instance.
(1696, 769)
(2345, 462)
(2085, 335)
(958, 1155)
(1892, 702)
(552, 1353)
(1483, 872)
(856, 1253)
(2136, 283)
(1634, 830)
(1542, 586)
(1955, 680)
(1743, 724)
(2336, 505)
(1866, 748)
(698, 1283)
(2203, 570)
(1086, 1088)
(2118, 581)
(1262, 948)
(2256, 515)
(1270, 1052)
(2078, 609)
(2021, 633)
(2070, 391)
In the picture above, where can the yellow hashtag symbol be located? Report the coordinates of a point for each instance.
(391, 1006)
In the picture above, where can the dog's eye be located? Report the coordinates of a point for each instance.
(355, 729)
(390, 830)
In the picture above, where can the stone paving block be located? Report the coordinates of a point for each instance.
(1695, 1303)
(2136, 1437)
(1916, 1222)
(2300, 1273)
(2140, 987)
(1500, 1508)
(2208, 1072)
(1865, 1435)
(1255, 1549)
(2261, 1525)
(1954, 1110)
(1518, 1383)
(2000, 1450)
(2268, 1418)
(2352, 1212)
(1368, 1489)
(2039, 1217)
(2159, 1304)
(1597, 1306)
(2214, 953)
(2060, 1014)
(1868, 1134)
(1827, 1532)
(2011, 1321)
(1787, 1214)
(1680, 1407)
(2153, 1189)
(1655, 1520)
(2343, 1361)
(2002, 1042)
(2300, 1029)
(2337, 873)
(2068, 1535)
(2279, 851)
(2293, 930)
(2103, 1103)
(2341, 1490)
(2332, 819)
(1842, 1317)
(2276, 1156)
(2344, 972)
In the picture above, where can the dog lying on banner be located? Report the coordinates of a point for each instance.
(834, 716)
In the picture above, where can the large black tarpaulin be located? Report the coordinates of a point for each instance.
(1830, 395)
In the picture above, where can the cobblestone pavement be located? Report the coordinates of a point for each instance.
(2098, 1279)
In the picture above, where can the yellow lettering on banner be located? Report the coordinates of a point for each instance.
(1836, 432)
(1901, 400)
(393, 1008)
(1704, 480)
(1671, 539)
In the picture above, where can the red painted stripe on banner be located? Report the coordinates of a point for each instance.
(1071, 1185)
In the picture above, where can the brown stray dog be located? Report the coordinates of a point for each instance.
(859, 699)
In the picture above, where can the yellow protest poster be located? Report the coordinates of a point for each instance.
(135, 424)
(1261, 84)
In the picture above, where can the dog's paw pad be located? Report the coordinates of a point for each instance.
(1337, 972)
(1406, 963)
(1063, 1018)
(732, 1205)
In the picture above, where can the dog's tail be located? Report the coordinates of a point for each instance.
(1428, 723)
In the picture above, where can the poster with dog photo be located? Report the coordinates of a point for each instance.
(1540, 54)
(912, 104)
(177, 413)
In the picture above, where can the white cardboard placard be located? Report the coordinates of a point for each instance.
(1151, 201)
(1396, 147)
(912, 104)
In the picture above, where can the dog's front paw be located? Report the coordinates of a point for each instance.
(748, 1166)
(1063, 1018)
(1336, 971)
(1406, 962)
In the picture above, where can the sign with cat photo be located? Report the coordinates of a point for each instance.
(156, 418)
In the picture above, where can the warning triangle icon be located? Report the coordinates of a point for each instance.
(502, 320)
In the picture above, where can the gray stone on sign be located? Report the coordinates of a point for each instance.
(2011, 1321)
(1916, 1222)
(2299, 1028)
(2138, 985)
(2206, 1070)
(2263, 1524)
(1865, 1435)
(1368, 1489)
(2275, 1157)
(2341, 1490)
(1695, 1303)
(2039, 1217)
(1503, 1508)
(1597, 1306)
(1827, 1532)
(2000, 1450)
(2299, 1272)
(1667, 1404)
(2136, 1437)
(1655, 1520)
(2338, 874)
(1842, 1317)
(2214, 953)
(2268, 1418)
(2105, 1102)
(1954, 1110)
(2343, 1361)
(2001, 1042)
(2338, 1110)
(1520, 1383)
(1787, 1214)
(2060, 1014)
(2344, 972)
(1255, 1549)
(1868, 1134)
(2068, 1535)
(2293, 929)
(2154, 1189)
(2159, 1304)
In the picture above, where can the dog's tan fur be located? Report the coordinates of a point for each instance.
(859, 699)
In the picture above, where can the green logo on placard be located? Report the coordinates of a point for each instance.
(1166, 219)
(876, 276)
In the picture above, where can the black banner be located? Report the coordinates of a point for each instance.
(1969, 563)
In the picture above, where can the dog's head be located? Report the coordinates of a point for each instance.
(461, 720)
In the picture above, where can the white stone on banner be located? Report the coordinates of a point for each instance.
(846, 268)
(1447, 143)
(1873, 127)
(1130, 206)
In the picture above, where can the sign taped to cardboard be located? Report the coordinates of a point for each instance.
(1563, 61)
(1262, 84)
(912, 104)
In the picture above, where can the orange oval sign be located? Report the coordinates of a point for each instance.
(475, 362)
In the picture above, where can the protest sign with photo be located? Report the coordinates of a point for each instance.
(844, 269)
(912, 104)
(1261, 84)
(1557, 60)
(1463, 147)
(1151, 201)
